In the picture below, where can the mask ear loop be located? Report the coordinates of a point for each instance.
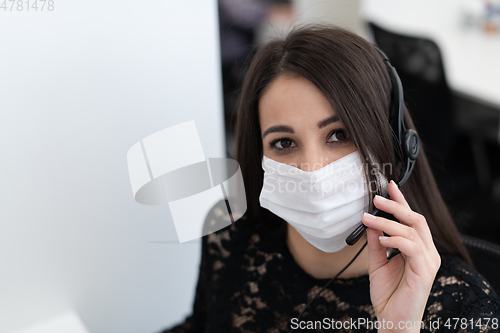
(328, 283)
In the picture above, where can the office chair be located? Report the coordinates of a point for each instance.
(485, 256)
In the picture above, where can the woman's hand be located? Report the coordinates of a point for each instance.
(400, 287)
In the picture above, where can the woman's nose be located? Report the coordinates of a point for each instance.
(313, 160)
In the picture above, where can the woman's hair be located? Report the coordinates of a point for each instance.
(351, 74)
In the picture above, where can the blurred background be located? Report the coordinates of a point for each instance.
(446, 54)
(85, 81)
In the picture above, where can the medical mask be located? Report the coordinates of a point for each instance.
(325, 205)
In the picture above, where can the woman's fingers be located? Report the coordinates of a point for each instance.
(406, 216)
(390, 227)
(396, 194)
(403, 238)
(377, 253)
(413, 251)
(413, 226)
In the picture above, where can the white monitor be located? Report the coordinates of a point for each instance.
(80, 83)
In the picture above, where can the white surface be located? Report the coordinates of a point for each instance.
(235, 191)
(65, 323)
(79, 86)
(137, 168)
(471, 59)
(177, 148)
(189, 221)
(173, 148)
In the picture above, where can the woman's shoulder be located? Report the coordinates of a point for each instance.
(454, 272)
(222, 235)
(459, 291)
(245, 236)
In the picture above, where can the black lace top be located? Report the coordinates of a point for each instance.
(249, 282)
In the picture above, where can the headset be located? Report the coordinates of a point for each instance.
(409, 145)
(408, 141)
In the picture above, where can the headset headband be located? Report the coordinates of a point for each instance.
(408, 138)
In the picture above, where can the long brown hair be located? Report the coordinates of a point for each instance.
(350, 73)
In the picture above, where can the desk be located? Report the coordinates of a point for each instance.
(471, 59)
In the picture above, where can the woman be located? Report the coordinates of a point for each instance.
(319, 103)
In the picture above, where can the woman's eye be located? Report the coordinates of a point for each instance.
(283, 144)
(338, 135)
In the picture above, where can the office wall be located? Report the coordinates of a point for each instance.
(344, 13)
(79, 85)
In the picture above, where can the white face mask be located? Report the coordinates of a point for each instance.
(325, 205)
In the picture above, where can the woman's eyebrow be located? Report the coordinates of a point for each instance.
(288, 129)
(328, 121)
(278, 128)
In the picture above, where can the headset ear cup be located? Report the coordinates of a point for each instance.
(412, 144)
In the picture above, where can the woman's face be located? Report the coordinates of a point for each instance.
(299, 127)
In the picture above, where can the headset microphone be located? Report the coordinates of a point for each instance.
(408, 140)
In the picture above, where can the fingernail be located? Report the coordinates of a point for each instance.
(380, 198)
(392, 181)
(369, 216)
(383, 238)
